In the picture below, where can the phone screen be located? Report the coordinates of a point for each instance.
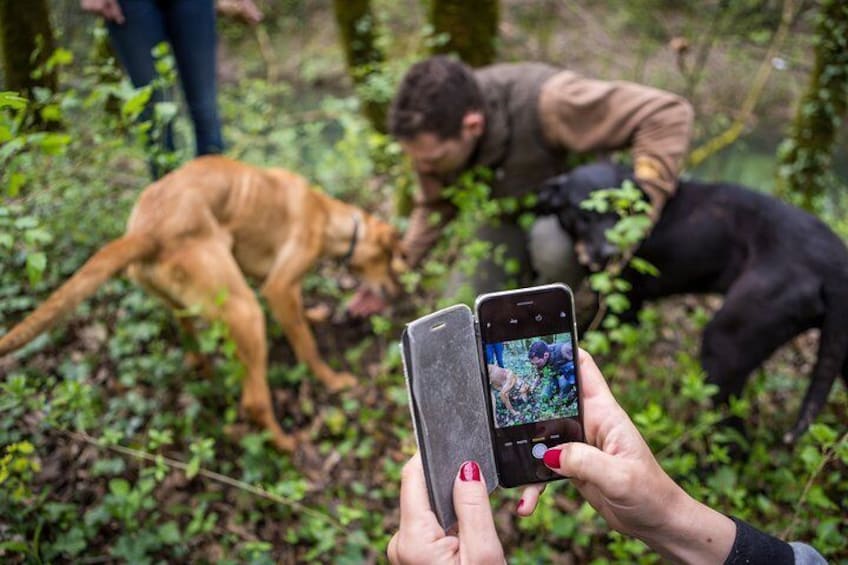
(530, 352)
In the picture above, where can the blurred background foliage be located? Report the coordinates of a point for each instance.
(111, 449)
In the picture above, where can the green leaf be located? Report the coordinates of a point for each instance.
(12, 100)
(136, 103)
(192, 468)
(54, 143)
(35, 265)
(5, 133)
(642, 266)
(119, 487)
(60, 57)
(51, 113)
(16, 181)
(169, 532)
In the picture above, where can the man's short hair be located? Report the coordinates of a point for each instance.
(537, 350)
(433, 97)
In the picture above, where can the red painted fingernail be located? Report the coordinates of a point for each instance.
(520, 504)
(469, 471)
(551, 458)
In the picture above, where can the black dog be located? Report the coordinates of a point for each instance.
(782, 271)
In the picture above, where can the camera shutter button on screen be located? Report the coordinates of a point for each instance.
(539, 450)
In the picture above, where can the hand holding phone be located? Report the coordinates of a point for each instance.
(530, 344)
(500, 390)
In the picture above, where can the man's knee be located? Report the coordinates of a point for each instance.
(552, 253)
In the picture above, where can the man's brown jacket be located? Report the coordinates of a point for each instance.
(536, 115)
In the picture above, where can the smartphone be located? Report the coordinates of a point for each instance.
(529, 347)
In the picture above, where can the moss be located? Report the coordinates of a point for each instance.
(806, 156)
(357, 27)
(471, 29)
(20, 29)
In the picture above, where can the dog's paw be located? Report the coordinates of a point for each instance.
(341, 381)
(285, 443)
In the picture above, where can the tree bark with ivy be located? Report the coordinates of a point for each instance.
(25, 29)
(357, 26)
(806, 156)
(469, 26)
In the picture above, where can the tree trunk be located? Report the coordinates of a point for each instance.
(357, 27)
(806, 156)
(470, 26)
(24, 29)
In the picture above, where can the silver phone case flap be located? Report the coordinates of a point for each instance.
(445, 382)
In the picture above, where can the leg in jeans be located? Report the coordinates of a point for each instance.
(190, 25)
(133, 41)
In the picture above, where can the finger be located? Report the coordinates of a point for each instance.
(254, 14)
(392, 550)
(591, 380)
(414, 502)
(583, 462)
(113, 12)
(476, 525)
(529, 499)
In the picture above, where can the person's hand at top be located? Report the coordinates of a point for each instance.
(421, 539)
(245, 10)
(618, 475)
(109, 9)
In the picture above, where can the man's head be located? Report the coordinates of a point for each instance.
(437, 115)
(538, 354)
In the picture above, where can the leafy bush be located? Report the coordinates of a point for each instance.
(114, 448)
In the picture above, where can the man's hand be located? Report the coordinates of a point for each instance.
(365, 303)
(109, 9)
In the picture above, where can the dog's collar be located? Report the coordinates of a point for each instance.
(354, 239)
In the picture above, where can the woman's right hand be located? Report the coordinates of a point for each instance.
(618, 475)
(109, 9)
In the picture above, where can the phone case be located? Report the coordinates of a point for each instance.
(445, 381)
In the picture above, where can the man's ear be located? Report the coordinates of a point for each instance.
(473, 123)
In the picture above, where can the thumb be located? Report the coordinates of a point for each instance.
(583, 462)
(478, 539)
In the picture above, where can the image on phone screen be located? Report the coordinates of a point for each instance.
(532, 379)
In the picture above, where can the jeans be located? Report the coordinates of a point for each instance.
(189, 27)
(494, 353)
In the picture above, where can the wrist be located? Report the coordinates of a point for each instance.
(692, 532)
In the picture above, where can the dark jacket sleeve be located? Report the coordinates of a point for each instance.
(753, 547)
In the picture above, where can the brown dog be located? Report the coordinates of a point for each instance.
(504, 380)
(194, 235)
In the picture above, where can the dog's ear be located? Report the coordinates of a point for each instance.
(552, 196)
(390, 240)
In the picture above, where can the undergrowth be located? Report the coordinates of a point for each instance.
(112, 448)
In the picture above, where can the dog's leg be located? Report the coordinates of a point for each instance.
(832, 359)
(752, 323)
(282, 290)
(194, 358)
(202, 273)
(505, 396)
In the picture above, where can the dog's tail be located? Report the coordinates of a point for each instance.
(832, 360)
(113, 257)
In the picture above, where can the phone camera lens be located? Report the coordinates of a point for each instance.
(538, 317)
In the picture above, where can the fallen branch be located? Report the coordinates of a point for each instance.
(212, 475)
